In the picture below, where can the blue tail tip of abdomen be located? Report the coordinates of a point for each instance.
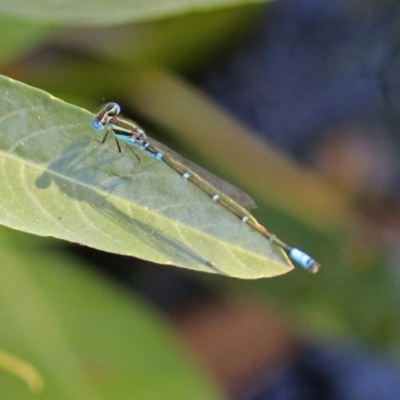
(304, 260)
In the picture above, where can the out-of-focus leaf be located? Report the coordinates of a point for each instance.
(83, 337)
(18, 36)
(101, 12)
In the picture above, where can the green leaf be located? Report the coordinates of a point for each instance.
(94, 12)
(57, 180)
(83, 338)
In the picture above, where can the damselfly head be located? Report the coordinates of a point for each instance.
(112, 109)
(102, 118)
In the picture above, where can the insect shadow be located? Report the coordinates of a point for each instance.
(94, 176)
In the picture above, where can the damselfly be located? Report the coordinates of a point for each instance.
(230, 197)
